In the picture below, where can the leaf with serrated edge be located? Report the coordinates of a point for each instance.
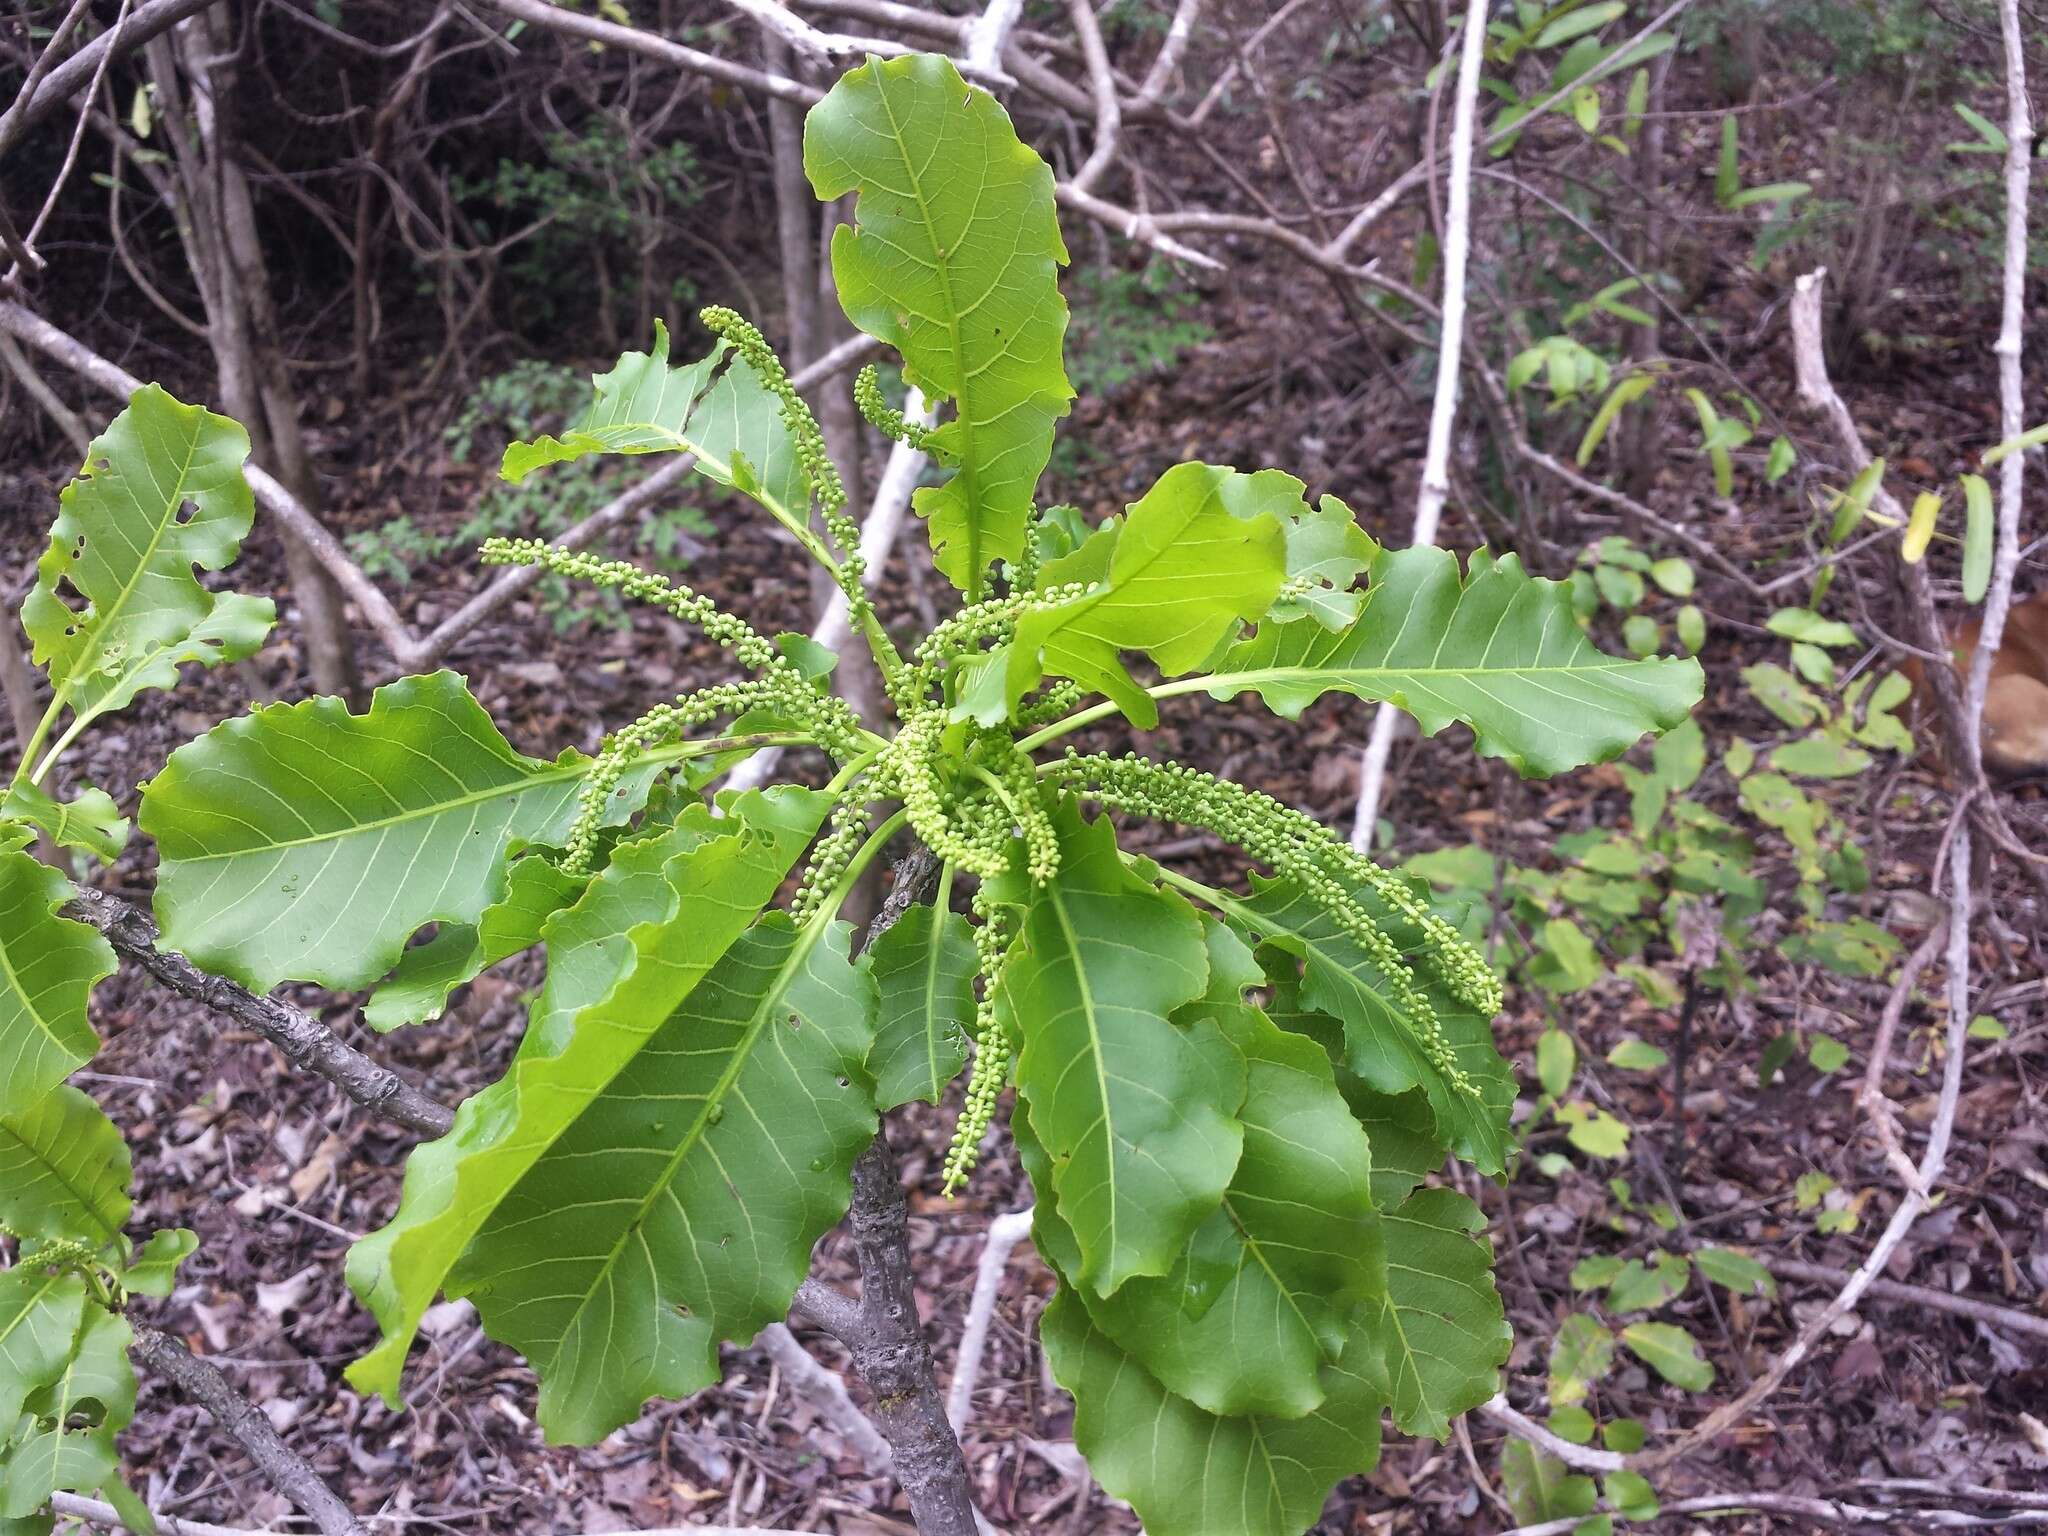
(1191, 1473)
(1136, 1113)
(64, 1171)
(89, 821)
(619, 963)
(305, 843)
(680, 1208)
(1328, 551)
(1202, 550)
(923, 968)
(1441, 1328)
(162, 492)
(48, 968)
(1499, 651)
(1260, 1299)
(953, 259)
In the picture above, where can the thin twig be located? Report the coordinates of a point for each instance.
(826, 1391)
(1002, 1238)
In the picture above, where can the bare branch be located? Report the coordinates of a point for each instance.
(59, 85)
(1827, 1511)
(304, 1040)
(285, 1469)
(1108, 117)
(1436, 460)
(1002, 1238)
(826, 1391)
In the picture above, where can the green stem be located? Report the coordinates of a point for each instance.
(1094, 712)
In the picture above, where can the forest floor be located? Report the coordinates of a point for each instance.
(277, 1173)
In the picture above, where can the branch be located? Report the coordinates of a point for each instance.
(1830, 1511)
(286, 1470)
(1102, 85)
(37, 102)
(1436, 461)
(1002, 1238)
(305, 1041)
(826, 1390)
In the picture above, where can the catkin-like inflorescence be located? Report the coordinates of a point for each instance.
(886, 419)
(1302, 850)
(833, 852)
(993, 1047)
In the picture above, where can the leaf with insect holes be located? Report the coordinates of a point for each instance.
(952, 258)
(117, 605)
(1497, 650)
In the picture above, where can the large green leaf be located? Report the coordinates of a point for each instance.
(70, 1423)
(1499, 651)
(305, 843)
(620, 962)
(1440, 1329)
(733, 426)
(1204, 549)
(1136, 1112)
(1326, 554)
(1191, 1473)
(953, 260)
(1369, 1030)
(40, 1313)
(1261, 1297)
(117, 605)
(64, 1171)
(681, 1206)
(48, 968)
(924, 979)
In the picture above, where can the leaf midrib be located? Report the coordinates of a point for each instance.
(1088, 1012)
(83, 1197)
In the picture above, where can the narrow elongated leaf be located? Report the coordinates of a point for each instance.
(1499, 651)
(1200, 551)
(305, 843)
(1260, 1300)
(620, 961)
(923, 968)
(681, 1207)
(1441, 1328)
(64, 1171)
(1979, 532)
(48, 968)
(1190, 1473)
(117, 605)
(1137, 1113)
(1365, 1024)
(953, 259)
(40, 1313)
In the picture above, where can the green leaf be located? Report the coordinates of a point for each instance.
(117, 603)
(1556, 1060)
(1623, 395)
(1326, 554)
(1804, 624)
(1572, 1424)
(427, 975)
(620, 962)
(734, 427)
(1978, 530)
(64, 1171)
(305, 843)
(1633, 1055)
(1990, 137)
(1259, 1301)
(1820, 757)
(1671, 1352)
(1770, 192)
(72, 1421)
(1631, 1495)
(1203, 549)
(1581, 1354)
(1736, 1270)
(1727, 173)
(1781, 693)
(1190, 1473)
(1441, 1327)
(1641, 634)
(154, 1269)
(1644, 1288)
(41, 1310)
(1137, 1113)
(953, 258)
(1499, 651)
(680, 1207)
(1573, 964)
(1538, 1486)
(2033, 437)
(1574, 23)
(48, 968)
(1593, 1131)
(1691, 625)
(1779, 462)
(89, 821)
(923, 969)
(1675, 576)
(1590, 1274)
(1351, 1007)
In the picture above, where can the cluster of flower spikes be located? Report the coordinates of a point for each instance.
(886, 419)
(779, 688)
(1301, 849)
